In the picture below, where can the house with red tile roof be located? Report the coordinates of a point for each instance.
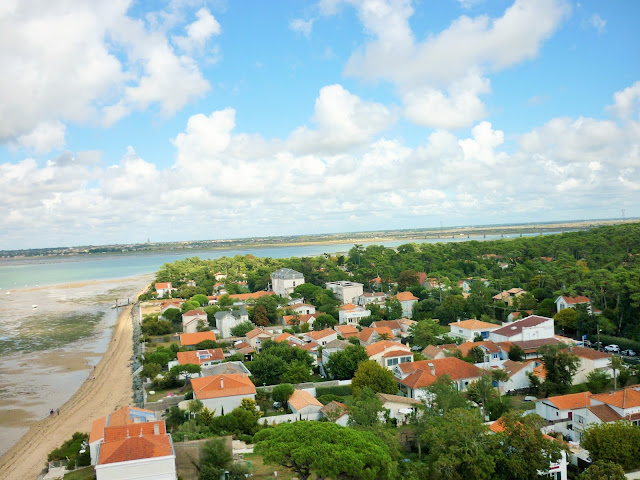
(413, 377)
(136, 451)
(177, 304)
(222, 393)
(492, 353)
(368, 298)
(346, 331)
(302, 308)
(590, 360)
(204, 358)
(389, 354)
(193, 318)
(407, 301)
(507, 296)
(565, 301)
(336, 410)
(305, 405)
(163, 288)
(333, 347)
(123, 416)
(321, 337)
(369, 335)
(394, 325)
(258, 336)
(189, 339)
(290, 320)
(558, 408)
(351, 314)
(468, 330)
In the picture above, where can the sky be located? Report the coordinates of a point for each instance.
(126, 120)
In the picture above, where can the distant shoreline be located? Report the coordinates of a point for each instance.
(410, 236)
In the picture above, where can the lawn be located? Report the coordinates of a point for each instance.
(160, 394)
(259, 470)
(86, 473)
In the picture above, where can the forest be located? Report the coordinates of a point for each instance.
(602, 263)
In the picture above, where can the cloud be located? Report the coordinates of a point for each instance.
(102, 65)
(302, 26)
(597, 22)
(199, 31)
(626, 103)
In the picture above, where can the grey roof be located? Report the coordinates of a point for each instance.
(286, 274)
(341, 344)
(512, 329)
(222, 314)
(225, 368)
(239, 312)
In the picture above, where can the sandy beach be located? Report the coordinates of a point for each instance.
(110, 390)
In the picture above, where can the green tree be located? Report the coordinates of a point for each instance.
(201, 299)
(296, 372)
(173, 315)
(372, 375)
(481, 391)
(392, 309)
(282, 392)
(424, 332)
(242, 329)
(616, 365)
(617, 442)
(561, 365)
(187, 369)
(326, 449)
(215, 458)
(445, 396)
(516, 353)
(597, 381)
(603, 471)
(499, 375)
(189, 305)
(365, 409)
(324, 321)
(260, 316)
(343, 364)
(151, 370)
(567, 318)
(407, 279)
(161, 358)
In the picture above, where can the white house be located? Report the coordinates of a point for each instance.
(407, 300)
(176, 304)
(226, 320)
(285, 280)
(346, 292)
(204, 358)
(517, 372)
(291, 320)
(336, 410)
(399, 407)
(321, 337)
(590, 360)
(591, 415)
(563, 302)
(377, 298)
(625, 402)
(394, 325)
(257, 337)
(163, 289)
(333, 347)
(193, 318)
(389, 354)
(351, 314)
(413, 377)
(370, 335)
(554, 409)
(468, 330)
(305, 405)
(222, 393)
(136, 452)
(302, 308)
(492, 354)
(533, 327)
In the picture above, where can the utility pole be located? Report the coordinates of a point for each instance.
(598, 327)
(623, 211)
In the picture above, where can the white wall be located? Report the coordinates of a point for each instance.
(161, 468)
(291, 417)
(224, 405)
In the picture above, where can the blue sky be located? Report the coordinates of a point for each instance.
(178, 120)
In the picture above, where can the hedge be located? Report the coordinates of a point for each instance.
(341, 390)
(623, 343)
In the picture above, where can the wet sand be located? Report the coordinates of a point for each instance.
(110, 390)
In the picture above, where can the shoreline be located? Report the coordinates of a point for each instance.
(111, 389)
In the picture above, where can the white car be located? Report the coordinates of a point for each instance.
(613, 348)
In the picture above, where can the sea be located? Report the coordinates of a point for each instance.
(56, 319)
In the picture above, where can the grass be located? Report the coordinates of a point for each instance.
(259, 470)
(160, 394)
(85, 473)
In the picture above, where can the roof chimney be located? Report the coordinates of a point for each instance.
(156, 429)
(140, 432)
(221, 382)
(433, 369)
(127, 433)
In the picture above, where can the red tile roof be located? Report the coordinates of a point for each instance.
(605, 413)
(258, 331)
(629, 397)
(474, 325)
(122, 416)
(134, 442)
(383, 345)
(198, 357)
(226, 385)
(187, 339)
(300, 399)
(290, 319)
(392, 324)
(420, 373)
(576, 300)
(193, 313)
(321, 334)
(405, 296)
(589, 353)
(570, 401)
(163, 285)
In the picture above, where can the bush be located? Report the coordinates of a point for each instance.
(71, 450)
(328, 398)
(188, 396)
(281, 393)
(624, 343)
(341, 390)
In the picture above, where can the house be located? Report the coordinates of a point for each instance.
(225, 368)
(333, 347)
(123, 416)
(563, 302)
(257, 337)
(533, 327)
(290, 320)
(322, 337)
(346, 331)
(434, 283)
(176, 304)
(399, 407)
(289, 339)
(507, 296)
(405, 326)
(285, 280)
(346, 292)
(228, 319)
(389, 354)
(407, 300)
(590, 360)
(468, 330)
(336, 412)
(351, 314)
(530, 347)
(517, 372)
(465, 285)
(302, 308)
(625, 402)
(492, 354)
(394, 325)
(554, 409)
(244, 349)
(189, 339)
(204, 358)
(377, 298)
(192, 319)
(305, 405)
(370, 335)
(136, 452)
(219, 276)
(222, 393)
(513, 316)
(412, 377)
(163, 289)
(432, 352)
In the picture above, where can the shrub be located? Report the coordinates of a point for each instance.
(328, 398)
(71, 450)
(341, 390)
(281, 393)
(624, 343)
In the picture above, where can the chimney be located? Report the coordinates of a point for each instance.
(156, 429)
(221, 383)
(141, 433)
(433, 369)
(127, 433)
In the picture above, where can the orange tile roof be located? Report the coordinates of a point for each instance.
(576, 300)
(474, 325)
(298, 305)
(193, 313)
(120, 432)
(540, 372)
(629, 397)
(283, 337)
(431, 351)
(290, 319)
(397, 353)
(589, 353)
(405, 296)
(383, 345)
(134, 442)
(300, 399)
(420, 372)
(466, 347)
(97, 429)
(225, 385)
(187, 339)
(346, 330)
(239, 345)
(512, 367)
(392, 324)
(258, 331)
(366, 333)
(497, 426)
(163, 285)
(333, 405)
(198, 357)
(571, 401)
(122, 416)
(348, 306)
(321, 334)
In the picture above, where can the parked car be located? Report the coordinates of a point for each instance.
(613, 348)
(597, 345)
(628, 353)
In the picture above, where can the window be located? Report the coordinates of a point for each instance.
(494, 355)
(405, 359)
(392, 361)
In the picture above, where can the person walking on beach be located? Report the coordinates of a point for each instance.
(51, 412)
(58, 411)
